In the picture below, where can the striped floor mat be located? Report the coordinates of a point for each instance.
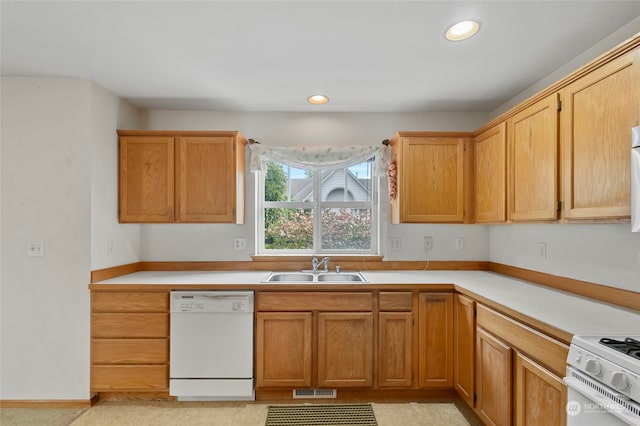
(320, 415)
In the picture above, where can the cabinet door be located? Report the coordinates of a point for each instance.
(435, 341)
(431, 184)
(491, 175)
(463, 347)
(345, 349)
(283, 349)
(493, 379)
(395, 331)
(206, 179)
(533, 147)
(146, 179)
(598, 112)
(540, 396)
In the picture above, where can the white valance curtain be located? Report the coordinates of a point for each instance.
(319, 157)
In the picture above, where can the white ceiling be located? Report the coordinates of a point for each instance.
(383, 56)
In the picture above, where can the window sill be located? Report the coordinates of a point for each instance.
(307, 258)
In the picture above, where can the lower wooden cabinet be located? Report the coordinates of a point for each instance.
(395, 346)
(345, 349)
(518, 372)
(283, 343)
(464, 347)
(540, 396)
(129, 341)
(395, 339)
(412, 339)
(313, 346)
(435, 340)
(129, 378)
(493, 379)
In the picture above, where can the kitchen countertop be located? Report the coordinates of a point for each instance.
(563, 311)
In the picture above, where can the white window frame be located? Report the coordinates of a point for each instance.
(317, 206)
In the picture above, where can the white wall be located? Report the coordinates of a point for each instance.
(603, 254)
(59, 165)
(45, 196)
(215, 242)
(112, 243)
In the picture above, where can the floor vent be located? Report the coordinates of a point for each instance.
(315, 393)
(320, 415)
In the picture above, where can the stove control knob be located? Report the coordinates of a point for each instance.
(619, 381)
(593, 367)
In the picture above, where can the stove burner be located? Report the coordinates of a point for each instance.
(627, 346)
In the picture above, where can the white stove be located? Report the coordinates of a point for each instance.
(603, 380)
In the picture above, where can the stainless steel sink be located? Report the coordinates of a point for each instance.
(342, 277)
(310, 277)
(289, 277)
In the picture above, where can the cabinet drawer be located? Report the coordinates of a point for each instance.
(129, 325)
(315, 301)
(129, 351)
(129, 302)
(395, 301)
(129, 377)
(540, 347)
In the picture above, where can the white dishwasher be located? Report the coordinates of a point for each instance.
(211, 349)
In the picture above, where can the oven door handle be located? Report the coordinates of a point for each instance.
(617, 408)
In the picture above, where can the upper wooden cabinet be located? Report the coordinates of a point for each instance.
(171, 176)
(598, 111)
(532, 136)
(146, 178)
(490, 175)
(431, 177)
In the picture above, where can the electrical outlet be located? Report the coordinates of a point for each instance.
(542, 250)
(460, 243)
(110, 247)
(35, 248)
(239, 243)
(428, 243)
(395, 243)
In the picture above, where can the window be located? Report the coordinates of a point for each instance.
(322, 211)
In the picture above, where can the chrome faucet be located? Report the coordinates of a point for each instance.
(315, 263)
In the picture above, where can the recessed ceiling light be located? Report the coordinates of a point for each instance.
(462, 30)
(318, 99)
